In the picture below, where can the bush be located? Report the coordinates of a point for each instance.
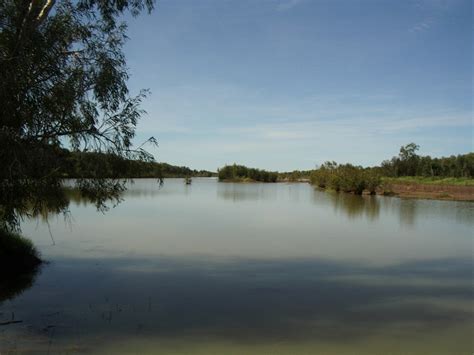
(17, 254)
(347, 178)
(373, 180)
(323, 176)
(242, 173)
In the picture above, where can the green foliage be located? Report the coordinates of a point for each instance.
(407, 167)
(85, 165)
(17, 254)
(428, 180)
(63, 83)
(12, 243)
(325, 175)
(242, 173)
(408, 163)
(408, 151)
(372, 180)
(346, 178)
(295, 175)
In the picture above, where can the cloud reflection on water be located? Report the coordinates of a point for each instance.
(251, 265)
(246, 301)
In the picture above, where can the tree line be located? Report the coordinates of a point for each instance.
(92, 165)
(242, 173)
(356, 179)
(86, 165)
(408, 163)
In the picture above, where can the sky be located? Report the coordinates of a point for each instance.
(290, 84)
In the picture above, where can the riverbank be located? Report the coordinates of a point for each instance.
(242, 180)
(17, 254)
(440, 189)
(249, 180)
(450, 189)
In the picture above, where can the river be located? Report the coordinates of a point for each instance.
(224, 268)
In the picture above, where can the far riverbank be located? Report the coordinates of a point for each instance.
(434, 190)
(406, 188)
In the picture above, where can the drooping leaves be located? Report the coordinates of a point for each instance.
(63, 83)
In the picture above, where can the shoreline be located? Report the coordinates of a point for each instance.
(428, 191)
(441, 192)
(18, 255)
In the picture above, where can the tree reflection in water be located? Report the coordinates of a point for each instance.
(12, 286)
(354, 206)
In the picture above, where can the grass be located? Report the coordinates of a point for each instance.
(17, 254)
(429, 181)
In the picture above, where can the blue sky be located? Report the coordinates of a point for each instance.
(288, 84)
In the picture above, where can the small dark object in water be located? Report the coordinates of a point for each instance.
(188, 181)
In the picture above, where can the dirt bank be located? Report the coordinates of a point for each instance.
(438, 192)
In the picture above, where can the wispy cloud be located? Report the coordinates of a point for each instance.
(430, 12)
(423, 25)
(229, 111)
(274, 86)
(302, 144)
(285, 5)
(347, 128)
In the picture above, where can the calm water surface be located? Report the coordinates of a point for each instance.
(220, 268)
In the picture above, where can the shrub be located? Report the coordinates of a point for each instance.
(347, 178)
(242, 173)
(17, 254)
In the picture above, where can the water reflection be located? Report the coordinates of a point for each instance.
(245, 191)
(408, 212)
(12, 286)
(260, 221)
(135, 188)
(353, 206)
(249, 268)
(250, 303)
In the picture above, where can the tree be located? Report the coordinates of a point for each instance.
(63, 83)
(408, 151)
(408, 160)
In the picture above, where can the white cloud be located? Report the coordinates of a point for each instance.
(348, 127)
(210, 125)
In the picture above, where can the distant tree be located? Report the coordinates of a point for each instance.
(409, 160)
(408, 163)
(240, 172)
(63, 83)
(408, 151)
